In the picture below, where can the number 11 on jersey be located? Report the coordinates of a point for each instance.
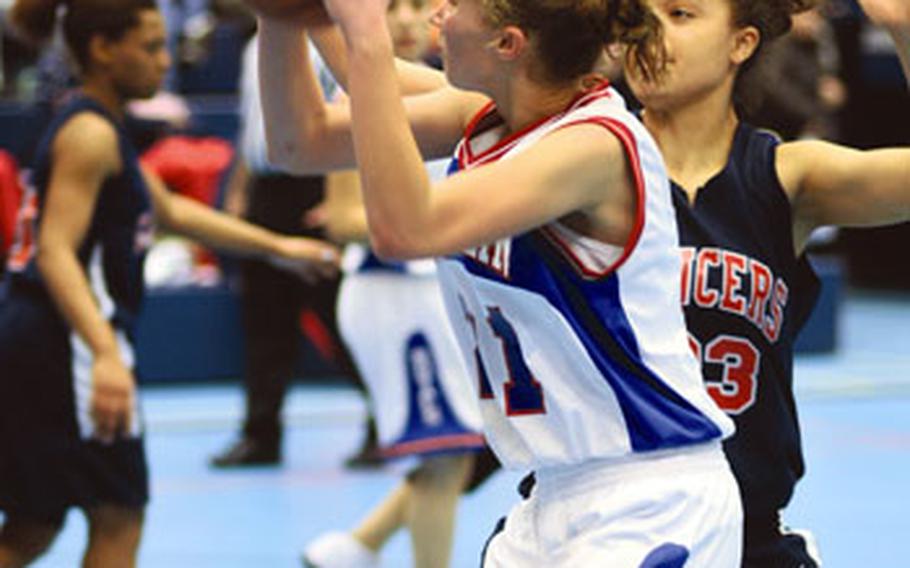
(523, 394)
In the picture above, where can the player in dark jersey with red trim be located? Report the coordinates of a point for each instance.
(746, 205)
(70, 431)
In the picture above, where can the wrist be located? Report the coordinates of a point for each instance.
(267, 25)
(277, 247)
(368, 33)
(107, 352)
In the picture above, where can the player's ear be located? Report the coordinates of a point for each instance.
(101, 49)
(745, 42)
(511, 43)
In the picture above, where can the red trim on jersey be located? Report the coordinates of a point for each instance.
(452, 442)
(465, 154)
(627, 139)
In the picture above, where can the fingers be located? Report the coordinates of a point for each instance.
(323, 252)
(327, 270)
(307, 270)
(315, 251)
(309, 259)
(315, 218)
(111, 412)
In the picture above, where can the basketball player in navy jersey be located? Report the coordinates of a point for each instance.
(746, 205)
(70, 427)
(559, 264)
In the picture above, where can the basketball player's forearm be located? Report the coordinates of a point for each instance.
(67, 284)
(396, 187)
(413, 78)
(884, 187)
(292, 100)
(219, 230)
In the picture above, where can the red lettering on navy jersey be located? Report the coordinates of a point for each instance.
(734, 269)
(761, 290)
(705, 297)
(741, 286)
(739, 360)
(688, 256)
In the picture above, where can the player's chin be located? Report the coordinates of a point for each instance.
(145, 91)
(457, 79)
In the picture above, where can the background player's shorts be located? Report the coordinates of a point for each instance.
(666, 510)
(48, 463)
(397, 330)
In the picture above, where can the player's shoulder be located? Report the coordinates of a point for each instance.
(87, 137)
(754, 159)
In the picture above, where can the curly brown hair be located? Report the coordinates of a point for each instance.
(571, 34)
(772, 18)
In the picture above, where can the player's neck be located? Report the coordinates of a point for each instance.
(695, 140)
(105, 95)
(526, 102)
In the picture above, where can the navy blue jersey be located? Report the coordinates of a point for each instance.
(119, 234)
(49, 460)
(746, 296)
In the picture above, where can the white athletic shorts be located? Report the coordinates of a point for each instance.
(396, 328)
(665, 510)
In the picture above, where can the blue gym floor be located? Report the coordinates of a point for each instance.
(855, 408)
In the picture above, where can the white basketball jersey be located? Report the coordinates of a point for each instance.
(579, 348)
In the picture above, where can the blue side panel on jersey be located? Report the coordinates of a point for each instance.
(429, 413)
(656, 415)
(371, 263)
(666, 556)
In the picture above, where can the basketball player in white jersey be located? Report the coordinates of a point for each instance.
(392, 318)
(559, 263)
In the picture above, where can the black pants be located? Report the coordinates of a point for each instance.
(272, 301)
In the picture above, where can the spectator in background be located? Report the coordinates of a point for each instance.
(183, 19)
(43, 82)
(800, 88)
(273, 305)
